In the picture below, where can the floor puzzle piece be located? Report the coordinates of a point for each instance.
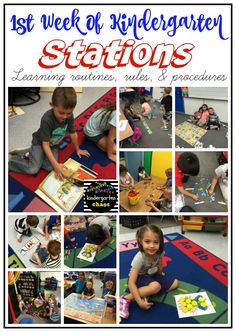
(88, 252)
(195, 304)
(189, 132)
(29, 245)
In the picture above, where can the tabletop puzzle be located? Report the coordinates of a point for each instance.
(91, 311)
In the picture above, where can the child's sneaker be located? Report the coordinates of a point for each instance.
(19, 151)
(124, 307)
(164, 128)
(149, 117)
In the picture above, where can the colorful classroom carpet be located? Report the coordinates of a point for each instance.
(22, 187)
(13, 260)
(197, 271)
(105, 258)
(189, 132)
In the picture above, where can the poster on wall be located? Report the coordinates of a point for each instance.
(123, 109)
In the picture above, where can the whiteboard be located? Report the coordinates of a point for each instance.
(220, 93)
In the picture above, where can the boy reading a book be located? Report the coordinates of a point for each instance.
(43, 152)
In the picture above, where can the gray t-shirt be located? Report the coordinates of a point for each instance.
(51, 130)
(221, 172)
(102, 221)
(99, 122)
(144, 266)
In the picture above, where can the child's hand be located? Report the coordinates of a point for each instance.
(98, 248)
(19, 239)
(210, 191)
(145, 305)
(195, 198)
(58, 169)
(82, 153)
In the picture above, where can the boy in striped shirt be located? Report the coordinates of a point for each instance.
(22, 226)
(48, 256)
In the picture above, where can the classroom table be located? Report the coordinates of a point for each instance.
(128, 130)
(145, 188)
(74, 308)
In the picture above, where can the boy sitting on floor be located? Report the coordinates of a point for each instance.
(213, 120)
(43, 152)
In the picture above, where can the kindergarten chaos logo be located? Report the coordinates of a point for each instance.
(101, 196)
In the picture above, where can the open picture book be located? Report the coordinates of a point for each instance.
(64, 195)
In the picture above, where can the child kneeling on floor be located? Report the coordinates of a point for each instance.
(100, 231)
(146, 277)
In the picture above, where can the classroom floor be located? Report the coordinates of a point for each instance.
(214, 242)
(216, 138)
(152, 135)
(208, 164)
(23, 135)
(17, 246)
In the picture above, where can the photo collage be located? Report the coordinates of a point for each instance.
(119, 206)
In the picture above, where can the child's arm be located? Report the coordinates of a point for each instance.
(74, 139)
(187, 193)
(160, 267)
(90, 297)
(46, 219)
(134, 290)
(213, 184)
(153, 206)
(19, 237)
(58, 168)
(36, 256)
(111, 146)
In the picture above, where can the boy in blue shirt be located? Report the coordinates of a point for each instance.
(43, 152)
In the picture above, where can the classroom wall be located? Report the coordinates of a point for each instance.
(160, 162)
(157, 93)
(133, 160)
(191, 105)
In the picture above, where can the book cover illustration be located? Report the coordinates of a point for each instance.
(88, 252)
(65, 195)
(195, 304)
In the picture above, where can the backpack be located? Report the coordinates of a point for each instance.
(136, 135)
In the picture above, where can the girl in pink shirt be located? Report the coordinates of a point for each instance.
(205, 116)
(146, 109)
